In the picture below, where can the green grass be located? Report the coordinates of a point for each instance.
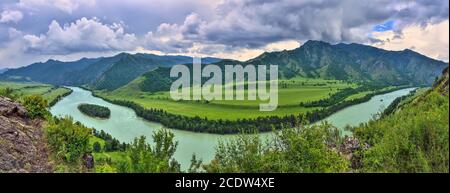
(54, 93)
(358, 95)
(365, 93)
(114, 155)
(49, 92)
(16, 85)
(290, 92)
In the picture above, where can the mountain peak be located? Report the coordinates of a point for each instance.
(123, 54)
(51, 60)
(315, 43)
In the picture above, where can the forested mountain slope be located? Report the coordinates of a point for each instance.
(414, 138)
(98, 73)
(317, 59)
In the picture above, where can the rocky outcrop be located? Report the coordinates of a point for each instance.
(349, 147)
(442, 84)
(22, 144)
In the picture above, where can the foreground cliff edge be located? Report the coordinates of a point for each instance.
(23, 147)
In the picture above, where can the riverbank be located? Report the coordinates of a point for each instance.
(60, 97)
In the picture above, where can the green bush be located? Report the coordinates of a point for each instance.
(36, 106)
(96, 147)
(303, 149)
(143, 158)
(69, 141)
(8, 93)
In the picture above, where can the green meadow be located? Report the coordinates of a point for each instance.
(291, 93)
(49, 92)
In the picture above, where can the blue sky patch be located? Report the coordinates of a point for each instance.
(387, 26)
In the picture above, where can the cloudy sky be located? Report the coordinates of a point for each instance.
(36, 30)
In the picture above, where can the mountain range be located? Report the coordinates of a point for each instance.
(317, 59)
(97, 73)
(354, 62)
(3, 70)
(314, 59)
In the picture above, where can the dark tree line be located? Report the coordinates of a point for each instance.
(111, 144)
(340, 96)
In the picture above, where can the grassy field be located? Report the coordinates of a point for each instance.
(362, 94)
(290, 92)
(49, 92)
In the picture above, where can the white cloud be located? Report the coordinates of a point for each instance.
(83, 35)
(65, 5)
(174, 37)
(11, 16)
(431, 40)
(248, 26)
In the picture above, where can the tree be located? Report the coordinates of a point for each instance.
(69, 141)
(302, 149)
(97, 147)
(195, 164)
(144, 158)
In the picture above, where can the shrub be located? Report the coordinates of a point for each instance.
(145, 158)
(302, 149)
(36, 106)
(69, 141)
(97, 147)
(8, 93)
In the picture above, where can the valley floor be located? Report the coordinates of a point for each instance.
(292, 93)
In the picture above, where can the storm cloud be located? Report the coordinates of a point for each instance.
(255, 23)
(41, 29)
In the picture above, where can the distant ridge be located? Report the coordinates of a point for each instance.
(317, 59)
(98, 73)
(3, 70)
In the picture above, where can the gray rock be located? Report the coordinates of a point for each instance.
(22, 143)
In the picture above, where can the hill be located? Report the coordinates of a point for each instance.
(414, 138)
(354, 62)
(51, 71)
(99, 73)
